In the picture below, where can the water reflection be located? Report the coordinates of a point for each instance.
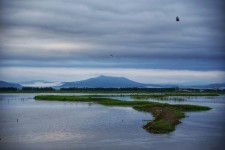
(74, 125)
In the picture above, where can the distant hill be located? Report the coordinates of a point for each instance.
(4, 84)
(216, 85)
(111, 82)
(104, 82)
(209, 86)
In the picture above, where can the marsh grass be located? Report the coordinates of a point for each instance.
(164, 95)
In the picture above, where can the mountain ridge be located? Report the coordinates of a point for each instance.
(106, 82)
(4, 84)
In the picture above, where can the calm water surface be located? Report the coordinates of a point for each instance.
(74, 125)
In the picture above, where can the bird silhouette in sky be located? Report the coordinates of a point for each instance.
(111, 55)
(177, 19)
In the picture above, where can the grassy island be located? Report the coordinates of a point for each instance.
(166, 116)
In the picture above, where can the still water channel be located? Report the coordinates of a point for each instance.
(75, 125)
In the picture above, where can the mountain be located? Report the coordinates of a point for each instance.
(4, 84)
(40, 83)
(208, 86)
(104, 82)
(216, 85)
(111, 82)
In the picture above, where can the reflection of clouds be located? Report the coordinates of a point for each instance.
(46, 137)
(54, 136)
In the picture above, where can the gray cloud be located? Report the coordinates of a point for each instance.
(139, 33)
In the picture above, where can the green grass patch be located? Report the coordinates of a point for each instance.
(159, 126)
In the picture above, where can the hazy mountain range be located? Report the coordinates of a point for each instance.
(103, 82)
(4, 84)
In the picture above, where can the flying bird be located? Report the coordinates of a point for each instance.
(177, 19)
(111, 55)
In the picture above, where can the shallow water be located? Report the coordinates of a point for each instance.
(74, 125)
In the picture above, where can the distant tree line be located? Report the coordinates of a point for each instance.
(110, 90)
(8, 89)
(38, 89)
(75, 89)
(176, 89)
(27, 89)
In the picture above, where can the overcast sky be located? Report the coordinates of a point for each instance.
(70, 40)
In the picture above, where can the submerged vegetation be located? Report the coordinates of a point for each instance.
(167, 116)
(175, 96)
(163, 95)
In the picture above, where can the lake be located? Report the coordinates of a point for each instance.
(75, 125)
